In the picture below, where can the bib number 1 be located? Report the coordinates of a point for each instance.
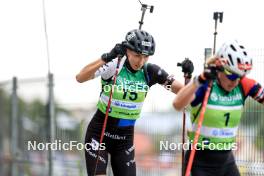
(227, 116)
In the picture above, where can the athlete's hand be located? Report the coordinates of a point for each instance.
(118, 50)
(212, 67)
(187, 67)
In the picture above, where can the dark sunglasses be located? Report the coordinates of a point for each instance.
(231, 76)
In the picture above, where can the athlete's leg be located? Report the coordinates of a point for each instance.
(206, 163)
(197, 169)
(92, 145)
(91, 153)
(122, 151)
(123, 162)
(207, 171)
(227, 170)
(202, 171)
(232, 170)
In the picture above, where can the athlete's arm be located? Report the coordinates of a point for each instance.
(185, 96)
(97, 68)
(195, 90)
(253, 89)
(160, 76)
(88, 72)
(176, 86)
(100, 67)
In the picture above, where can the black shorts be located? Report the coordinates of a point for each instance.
(118, 142)
(212, 163)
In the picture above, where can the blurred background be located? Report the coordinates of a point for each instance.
(43, 106)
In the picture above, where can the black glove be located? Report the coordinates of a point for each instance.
(210, 73)
(187, 67)
(119, 49)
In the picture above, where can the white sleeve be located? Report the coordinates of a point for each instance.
(108, 70)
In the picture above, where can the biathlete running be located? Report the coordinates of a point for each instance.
(230, 88)
(134, 78)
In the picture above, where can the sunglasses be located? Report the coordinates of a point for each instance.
(231, 76)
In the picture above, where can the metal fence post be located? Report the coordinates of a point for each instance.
(51, 121)
(14, 126)
(1, 129)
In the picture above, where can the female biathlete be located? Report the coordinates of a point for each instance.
(230, 88)
(134, 78)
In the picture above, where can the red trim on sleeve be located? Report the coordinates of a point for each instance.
(247, 84)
